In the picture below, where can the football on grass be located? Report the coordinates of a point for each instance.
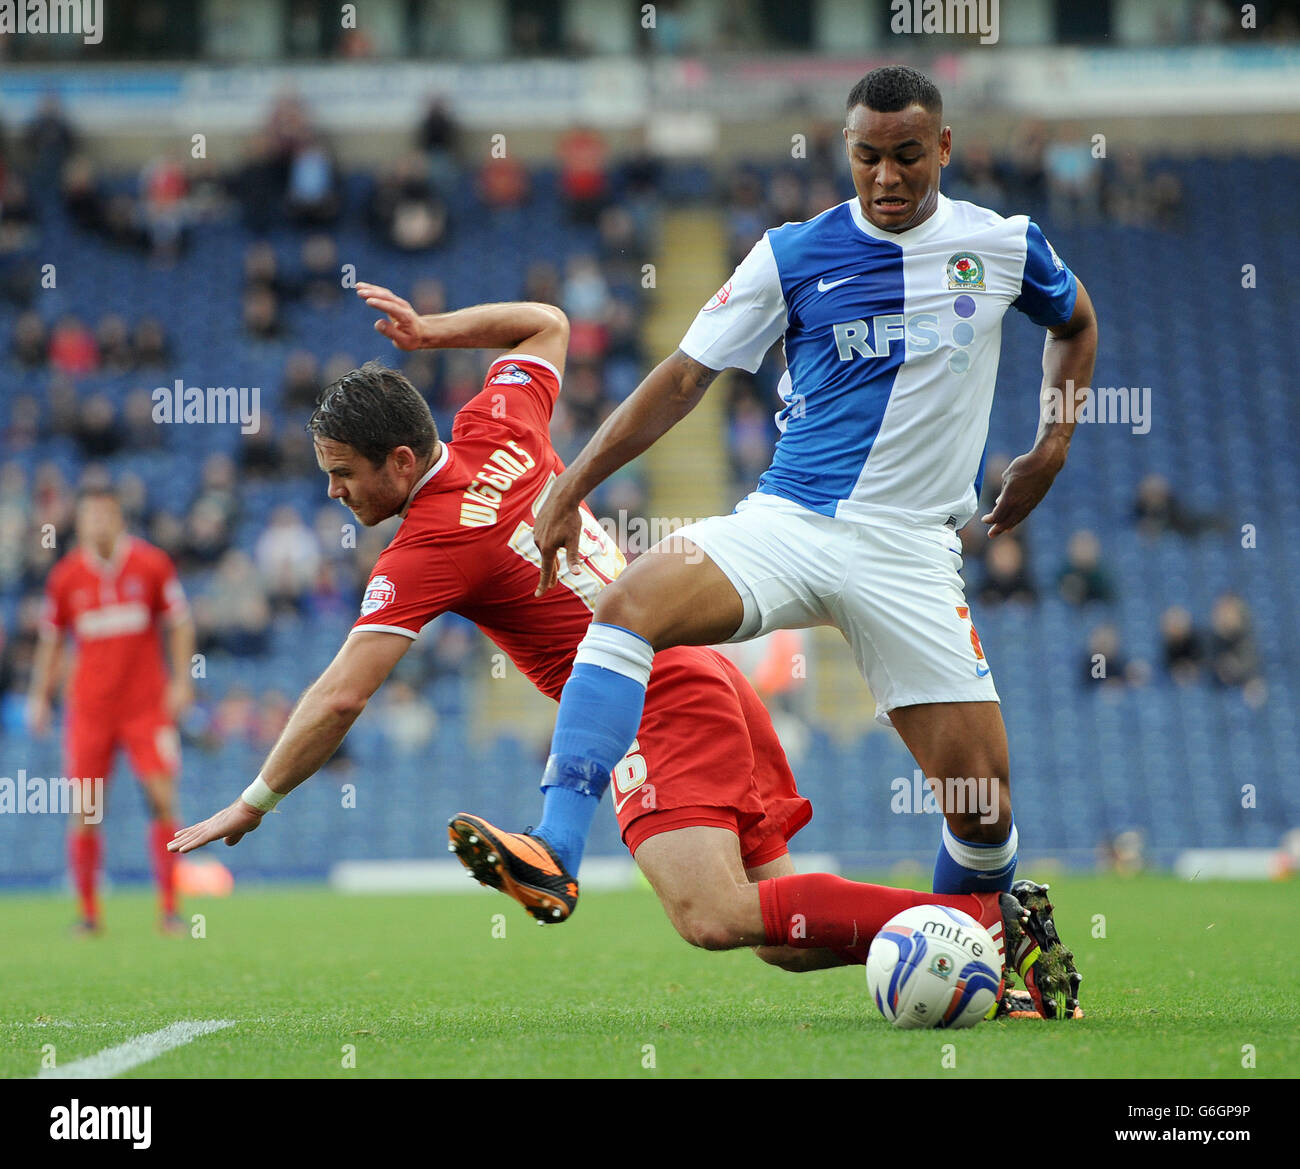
(932, 966)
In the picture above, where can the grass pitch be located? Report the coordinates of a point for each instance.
(1186, 975)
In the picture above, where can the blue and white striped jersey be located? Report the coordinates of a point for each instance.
(892, 342)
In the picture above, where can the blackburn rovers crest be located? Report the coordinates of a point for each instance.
(966, 271)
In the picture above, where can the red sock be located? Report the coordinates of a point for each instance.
(813, 911)
(164, 862)
(84, 851)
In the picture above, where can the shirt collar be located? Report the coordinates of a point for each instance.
(438, 465)
(915, 234)
(116, 558)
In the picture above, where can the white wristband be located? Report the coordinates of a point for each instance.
(258, 795)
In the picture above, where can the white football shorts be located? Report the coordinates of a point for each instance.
(891, 587)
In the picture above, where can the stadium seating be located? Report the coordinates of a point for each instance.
(1087, 761)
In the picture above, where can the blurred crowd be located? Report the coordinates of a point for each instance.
(259, 576)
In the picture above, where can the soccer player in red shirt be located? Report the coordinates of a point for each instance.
(114, 595)
(705, 799)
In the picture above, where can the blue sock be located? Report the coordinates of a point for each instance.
(600, 712)
(964, 867)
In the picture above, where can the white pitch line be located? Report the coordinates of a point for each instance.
(113, 1061)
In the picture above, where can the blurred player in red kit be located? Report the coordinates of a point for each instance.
(118, 598)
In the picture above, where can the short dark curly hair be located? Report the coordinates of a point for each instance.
(895, 87)
(374, 410)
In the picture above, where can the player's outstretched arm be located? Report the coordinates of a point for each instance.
(541, 330)
(668, 393)
(1068, 357)
(315, 729)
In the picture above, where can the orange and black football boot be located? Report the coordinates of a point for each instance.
(521, 865)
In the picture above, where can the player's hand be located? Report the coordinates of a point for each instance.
(180, 697)
(1024, 483)
(402, 327)
(558, 525)
(231, 824)
(39, 716)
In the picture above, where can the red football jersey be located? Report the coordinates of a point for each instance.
(466, 540)
(114, 608)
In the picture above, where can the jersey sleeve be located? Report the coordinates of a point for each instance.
(169, 601)
(737, 327)
(55, 617)
(1047, 288)
(518, 388)
(409, 586)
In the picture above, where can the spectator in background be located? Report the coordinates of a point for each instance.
(407, 721)
(1234, 658)
(72, 348)
(503, 183)
(207, 535)
(260, 456)
(1073, 178)
(150, 345)
(24, 429)
(1106, 664)
(1006, 574)
(751, 431)
(585, 294)
(98, 434)
(622, 247)
(30, 345)
(113, 338)
(262, 270)
(139, 431)
(269, 719)
(13, 526)
(234, 718)
(978, 179)
(48, 138)
(302, 383)
(82, 201)
(406, 210)
(163, 209)
(747, 215)
(313, 193)
(288, 558)
(258, 185)
(584, 176)
(1082, 579)
(261, 313)
(232, 615)
(322, 277)
(1134, 198)
(1184, 653)
(1027, 169)
(438, 136)
(17, 215)
(785, 198)
(542, 283)
(1158, 510)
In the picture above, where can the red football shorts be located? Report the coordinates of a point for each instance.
(148, 737)
(707, 755)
